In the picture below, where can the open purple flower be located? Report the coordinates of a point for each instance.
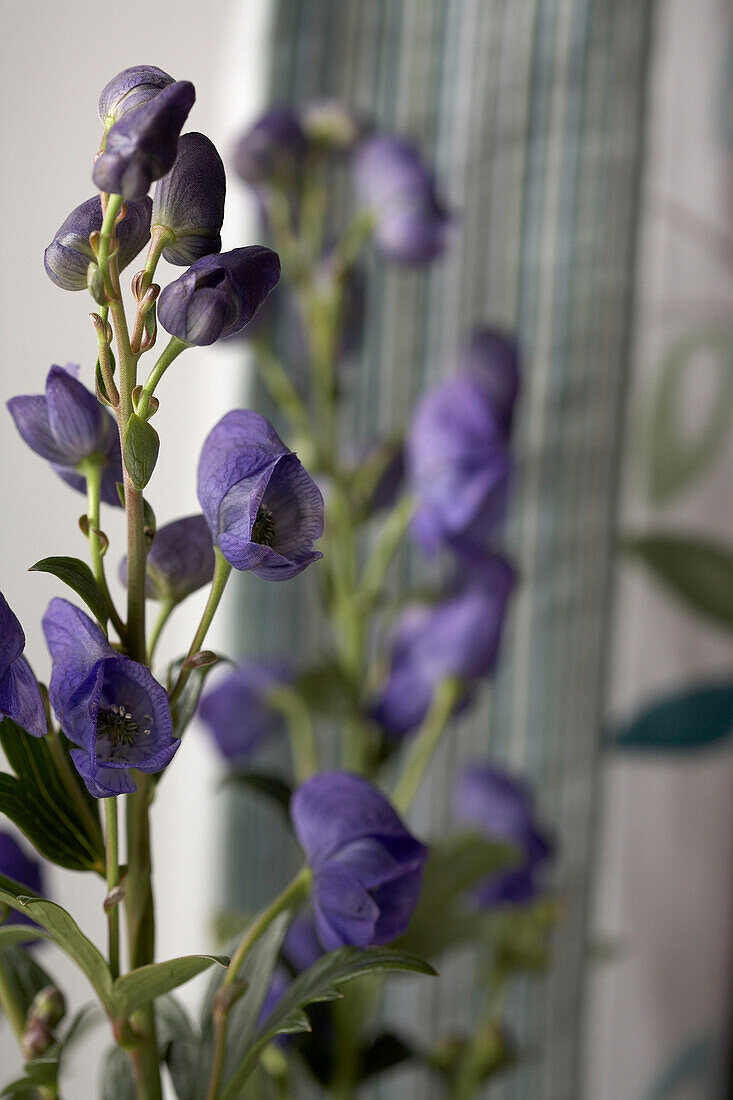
(142, 146)
(501, 807)
(458, 637)
(20, 698)
(180, 561)
(218, 295)
(367, 868)
(491, 357)
(67, 426)
(110, 706)
(273, 150)
(189, 201)
(263, 508)
(395, 186)
(22, 868)
(237, 712)
(69, 254)
(129, 89)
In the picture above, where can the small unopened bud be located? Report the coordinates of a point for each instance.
(49, 1006)
(149, 297)
(153, 402)
(113, 899)
(150, 334)
(140, 284)
(203, 659)
(37, 1039)
(95, 284)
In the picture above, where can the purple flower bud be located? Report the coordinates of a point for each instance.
(492, 359)
(367, 868)
(180, 561)
(108, 705)
(69, 254)
(22, 868)
(237, 711)
(20, 698)
(66, 426)
(189, 201)
(501, 807)
(395, 186)
(458, 465)
(129, 89)
(263, 508)
(458, 637)
(273, 150)
(142, 146)
(218, 295)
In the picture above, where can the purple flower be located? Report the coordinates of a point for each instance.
(129, 89)
(264, 510)
(180, 561)
(273, 150)
(107, 704)
(237, 712)
(502, 808)
(218, 295)
(67, 426)
(367, 868)
(189, 201)
(15, 864)
(69, 254)
(458, 465)
(492, 358)
(20, 698)
(395, 186)
(458, 637)
(142, 146)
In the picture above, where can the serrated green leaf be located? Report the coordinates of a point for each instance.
(141, 986)
(699, 572)
(692, 719)
(117, 1078)
(79, 577)
(140, 451)
(320, 983)
(271, 786)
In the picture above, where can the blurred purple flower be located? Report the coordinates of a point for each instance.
(20, 698)
(492, 358)
(129, 89)
(67, 426)
(263, 508)
(237, 712)
(367, 868)
(273, 150)
(330, 126)
(397, 188)
(458, 637)
(22, 868)
(180, 561)
(218, 295)
(501, 807)
(189, 201)
(142, 146)
(108, 705)
(69, 254)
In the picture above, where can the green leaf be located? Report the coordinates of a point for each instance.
(320, 983)
(185, 705)
(63, 828)
(14, 935)
(140, 450)
(179, 1045)
(700, 572)
(22, 1086)
(140, 987)
(326, 690)
(691, 719)
(65, 933)
(78, 576)
(22, 975)
(271, 786)
(117, 1077)
(676, 458)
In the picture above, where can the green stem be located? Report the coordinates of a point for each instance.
(290, 896)
(300, 727)
(114, 205)
(91, 470)
(386, 545)
(426, 741)
(276, 380)
(166, 608)
(222, 571)
(9, 1005)
(172, 350)
(113, 880)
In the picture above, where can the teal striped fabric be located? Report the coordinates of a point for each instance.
(533, 111)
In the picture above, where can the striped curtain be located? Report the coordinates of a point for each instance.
(533, 113)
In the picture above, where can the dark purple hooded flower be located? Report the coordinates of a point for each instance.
(458, 637)
(110, 706)
(20, 698)
(129, 89)
(219, 294)
(237, 712)
(273, 150)
(67, 426)
(189, 201)
(492, 358)
(501, 807)
(69, 254)
(180, 561)
(142, 146)
(395, 186)
(263, 508)
(15, 864)
(367, 868)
